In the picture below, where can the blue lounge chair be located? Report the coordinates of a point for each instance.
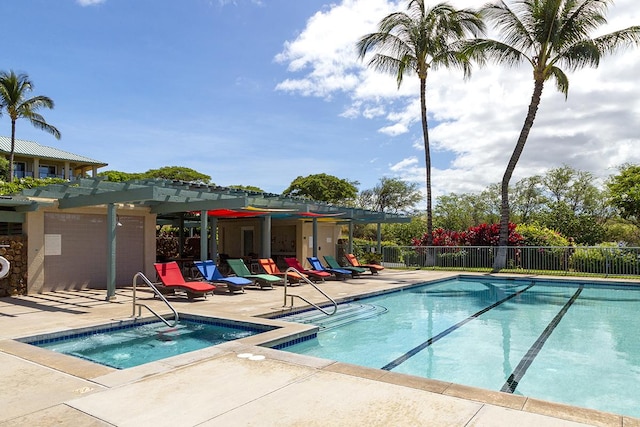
(263, 280)
(340, 273)
(209, 271)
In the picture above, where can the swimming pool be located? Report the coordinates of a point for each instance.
(132, 343)
(568, 342)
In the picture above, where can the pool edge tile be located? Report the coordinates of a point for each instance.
(492, 397)
(574, 413)
(71, 365)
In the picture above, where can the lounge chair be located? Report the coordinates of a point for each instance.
(270, 267)
(263, 280)
(209, 271)
(171, 277)
(333, 263)
(374, 268)
(340, 273)
(314, 274)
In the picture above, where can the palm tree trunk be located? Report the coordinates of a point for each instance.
(427, 157)
(13, 148)
(500, 261)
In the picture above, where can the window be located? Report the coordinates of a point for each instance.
(19, 169)
(45, 171)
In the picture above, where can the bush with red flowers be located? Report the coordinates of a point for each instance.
(480, 235)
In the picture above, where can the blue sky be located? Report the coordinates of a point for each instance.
(258, 92)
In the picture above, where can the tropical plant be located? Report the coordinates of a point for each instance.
(14, 91)
(547, 34)
(416, 41)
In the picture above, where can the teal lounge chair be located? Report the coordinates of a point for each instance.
(263, 280)
(209, 271)
(333, 263)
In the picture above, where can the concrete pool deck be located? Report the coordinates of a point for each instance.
(227, 385)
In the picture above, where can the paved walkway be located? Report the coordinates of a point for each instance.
(227, 385)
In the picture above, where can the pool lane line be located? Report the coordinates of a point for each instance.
(513, 380)
(416, 350)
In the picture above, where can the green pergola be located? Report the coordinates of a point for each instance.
(171, 200)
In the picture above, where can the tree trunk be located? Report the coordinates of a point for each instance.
(500, 260)
(427, 157)
(13, 149)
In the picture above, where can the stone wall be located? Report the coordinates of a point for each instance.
(15, 283)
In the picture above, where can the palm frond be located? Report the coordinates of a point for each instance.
(515, 31)
(622, 39)
(39, 123)
(483, 50)
(561, 80)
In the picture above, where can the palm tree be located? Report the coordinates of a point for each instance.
(547, 34)
(14, 89)
(413, 43)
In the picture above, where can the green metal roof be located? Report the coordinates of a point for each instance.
(33, 149)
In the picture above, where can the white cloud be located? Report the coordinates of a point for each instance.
(85, 3)
(477, 121)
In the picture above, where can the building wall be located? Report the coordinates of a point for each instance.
(293, 238)
(69, 248)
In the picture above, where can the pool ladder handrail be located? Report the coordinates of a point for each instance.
(306, 279)
(157, 292)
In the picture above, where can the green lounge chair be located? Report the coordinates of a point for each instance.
(263, 280)
(333, 263)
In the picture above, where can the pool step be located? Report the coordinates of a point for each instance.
(346, 313)
(174, 331)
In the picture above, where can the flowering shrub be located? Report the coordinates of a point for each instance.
(480, 235)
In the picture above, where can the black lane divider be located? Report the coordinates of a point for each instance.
(513, 380)
(416, 350)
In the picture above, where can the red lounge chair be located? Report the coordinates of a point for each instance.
(270, 267)
(172, 278)
(374, 268)
(318, 275)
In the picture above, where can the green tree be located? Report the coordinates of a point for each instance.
(547, 34)
(402, 233)
(624, 190)
(323, 188)
(528, 199)
(391, 195)
(178, 173)
(117, 176)
(415, 42)
(247, 188)
(14, 100)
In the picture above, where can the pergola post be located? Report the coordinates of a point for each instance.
(204, 224)
(112, 224)
(350, 244)
(213, 240)
(315, 237)
(266, 237)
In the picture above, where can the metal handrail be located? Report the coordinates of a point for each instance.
(157, 292)
(304, 277)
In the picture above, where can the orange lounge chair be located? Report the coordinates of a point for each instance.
(374, 268)
(317, 275)
(172, 278)
(270, 267)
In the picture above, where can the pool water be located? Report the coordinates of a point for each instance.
(137, 344)
(574, 343)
